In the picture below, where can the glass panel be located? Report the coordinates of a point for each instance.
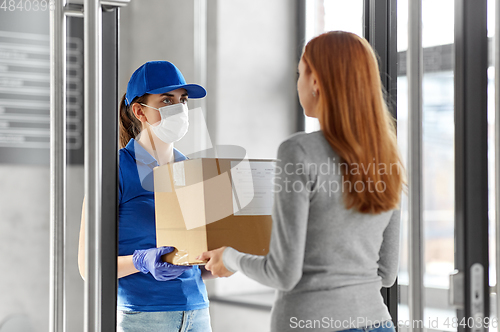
(402, 131)
(491, 161)
(74, 285)
(438, 159)
(24, 169)
(322, 16)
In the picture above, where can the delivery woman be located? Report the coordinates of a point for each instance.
(335, 237)
(152, 295)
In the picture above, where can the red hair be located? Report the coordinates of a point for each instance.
(355, 120)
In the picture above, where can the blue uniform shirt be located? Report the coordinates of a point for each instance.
(139, 291)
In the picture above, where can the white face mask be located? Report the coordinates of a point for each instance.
(173, 124)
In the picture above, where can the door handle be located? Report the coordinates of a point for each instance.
(57, 165)
(91, 11)
(456, 290)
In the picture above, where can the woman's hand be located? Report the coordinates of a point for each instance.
(215, 263)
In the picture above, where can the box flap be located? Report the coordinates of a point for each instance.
(170, 226)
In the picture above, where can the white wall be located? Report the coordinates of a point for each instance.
(156, 30)
(254, 67)
(252, 70)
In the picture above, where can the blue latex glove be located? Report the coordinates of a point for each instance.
(149, 260)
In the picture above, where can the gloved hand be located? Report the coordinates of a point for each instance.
(149, 260)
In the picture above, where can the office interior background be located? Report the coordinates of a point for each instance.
(245, 53)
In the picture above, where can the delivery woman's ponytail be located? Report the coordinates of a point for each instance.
(130, 126)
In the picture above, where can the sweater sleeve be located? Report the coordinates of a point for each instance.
(389, 251)
(281, 268)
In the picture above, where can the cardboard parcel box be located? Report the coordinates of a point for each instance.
(203, 204)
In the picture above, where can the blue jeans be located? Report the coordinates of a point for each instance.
(164, 321)
(386, 326)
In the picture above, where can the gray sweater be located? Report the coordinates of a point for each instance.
(327, 263)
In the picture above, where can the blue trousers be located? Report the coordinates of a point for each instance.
(164, 321)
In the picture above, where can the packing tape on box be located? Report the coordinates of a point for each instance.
(181, 257)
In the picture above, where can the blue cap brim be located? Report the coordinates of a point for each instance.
(193, 90)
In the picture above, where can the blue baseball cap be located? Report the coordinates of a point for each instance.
(155, 77)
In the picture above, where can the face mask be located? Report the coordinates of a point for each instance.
(173, 124)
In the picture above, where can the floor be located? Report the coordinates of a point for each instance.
(241, 313)
(229, 318)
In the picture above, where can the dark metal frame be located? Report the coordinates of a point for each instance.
(300, 6)
(109, 245)
(380, 29)
(471, 151)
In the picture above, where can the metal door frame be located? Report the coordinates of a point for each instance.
(380, 29)
(101, 160)
(471, 159)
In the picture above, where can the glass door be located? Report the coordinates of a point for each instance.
(436, 161)
(442, 126)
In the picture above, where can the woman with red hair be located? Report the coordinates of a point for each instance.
(335, 237)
